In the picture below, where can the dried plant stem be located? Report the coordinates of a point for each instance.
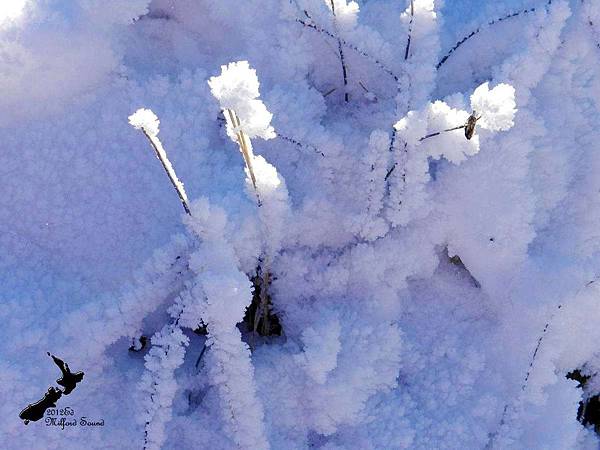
(482, 27)
(391, 169)
(300, 144)
(532, 360)
(437, 133)
(341, 52)
(410, 26)
(313, 26)
(245, 147)
(283, 137)
(161, 154)
(406, 55)
(427, 136)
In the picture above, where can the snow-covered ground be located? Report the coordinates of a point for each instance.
(431, 280)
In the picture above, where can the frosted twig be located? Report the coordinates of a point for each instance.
(313, 26)
(410, 25)
(146, 121)
(437, 133)
(161, 154)
(289, 139)
(245, 147)
(427, 136)
(406, 55)
(392, 140)
(481, 28)
(391, 170)
(300, 144)
(532, 360)
(341, 51)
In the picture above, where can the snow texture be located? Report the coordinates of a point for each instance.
(145, 119)
(414, 202)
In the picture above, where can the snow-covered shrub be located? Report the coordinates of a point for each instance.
(416, 205)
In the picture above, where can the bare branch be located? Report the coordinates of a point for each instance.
(532, 361)
(341, 51)
(410, 25)
(300, 144)
(482, 27)
(283, 137)
(313, 26)
(437, 133)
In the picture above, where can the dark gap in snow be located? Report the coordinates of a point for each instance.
(456, 261)
(259, 315)
(138, 344)
(588, 412)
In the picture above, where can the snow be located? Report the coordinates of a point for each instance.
(413, 271)
(11, 10)
(496, 107)
(236, 89)
(145, 119)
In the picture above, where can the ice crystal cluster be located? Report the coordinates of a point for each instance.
(391, 235)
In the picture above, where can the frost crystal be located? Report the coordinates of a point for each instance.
(145, 119)
(496, 107)
(236, 89)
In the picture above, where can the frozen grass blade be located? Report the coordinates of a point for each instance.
(245, 147)
(146, 121)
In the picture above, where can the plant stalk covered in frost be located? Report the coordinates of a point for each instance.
(146, 120)
(223, 293)
(236, 89)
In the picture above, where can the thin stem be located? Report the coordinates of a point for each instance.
(300, 144)
(482, 27)
(389, 172)
(410, 25)
(245, 147)
(427, 136)
(291, 140)
(532, 361)
(437, 133)
(161, 154)
(313, 26)
(341, 51)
